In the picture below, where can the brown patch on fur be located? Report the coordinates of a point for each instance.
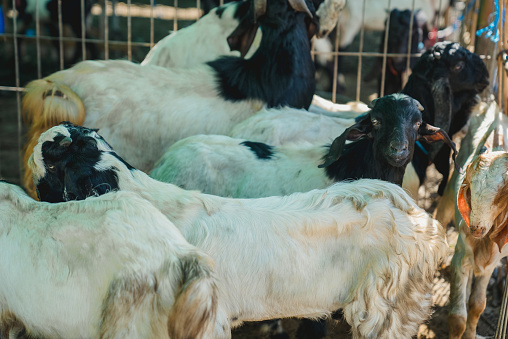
(457, 325)
(482, 249)
(11, 325)
(192, 313)
(45, 104)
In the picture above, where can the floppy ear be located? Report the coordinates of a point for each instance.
(432, 134)
(360, 129)
(442, 96)
(462, 205)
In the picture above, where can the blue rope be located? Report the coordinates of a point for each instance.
(491, 28)
(420, 146)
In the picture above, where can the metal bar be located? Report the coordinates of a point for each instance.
(83, 30)
(385, 50)
(335, 63)
(152, 5)
(504, 38)
(17, 81)
(360, 49)
(37, 40)
(106, 28)
(474, 25)
(72, 39)
(12, 89)
(129, 31)
(410, 39)
(175, 19)
(60, 34)
(198, 6)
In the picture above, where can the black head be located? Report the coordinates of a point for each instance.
(67, 164)
(393, 125)
(398, 37)
(464, 71)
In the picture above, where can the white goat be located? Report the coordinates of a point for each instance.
(111, 267)
(364, 246)
(483, 235)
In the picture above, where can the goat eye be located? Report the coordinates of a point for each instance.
(459, 66)
(375, 122)
(418, 124)
(51, 167)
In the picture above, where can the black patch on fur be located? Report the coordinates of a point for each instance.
(262, 151)
(70, 172)
(281, 72)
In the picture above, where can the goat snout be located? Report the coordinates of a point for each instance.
(398, 149)
(478, 231)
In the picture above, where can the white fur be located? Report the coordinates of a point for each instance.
(104, 267)
(203, 41)
(278, 127)
(219, 165)
(153, 107)
(363, 246)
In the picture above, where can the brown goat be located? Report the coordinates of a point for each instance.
(483, 234)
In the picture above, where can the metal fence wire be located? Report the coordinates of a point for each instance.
(35, 43)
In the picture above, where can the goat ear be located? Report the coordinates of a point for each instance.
(359, 130)
(432, 134)
(462, 205)
(500, 237)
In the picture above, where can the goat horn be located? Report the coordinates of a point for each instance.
(300, 6)
(259, 8)
(65, 142)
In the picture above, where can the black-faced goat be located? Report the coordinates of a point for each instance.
(383, 145)
(445, 80)
(365, 246)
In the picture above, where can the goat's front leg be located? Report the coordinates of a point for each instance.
(477, 301)
(460, 282)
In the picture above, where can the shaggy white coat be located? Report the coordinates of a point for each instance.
(111, 267)
(364, 246)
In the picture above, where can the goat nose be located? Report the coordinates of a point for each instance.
(398, 147)
(477, 231)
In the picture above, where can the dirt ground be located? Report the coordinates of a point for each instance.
(11, 141)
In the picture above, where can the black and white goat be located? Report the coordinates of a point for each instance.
(383, 145)
(203, 41)
(365, 246)
(111, 267)
(170, 104)
(445, 80)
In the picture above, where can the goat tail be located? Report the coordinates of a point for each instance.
(195, 308)
(45, 104)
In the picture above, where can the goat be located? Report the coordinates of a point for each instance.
(176, 103)
(445, 80)
(364, 246)
(383, 144)
(203, 41)
(398, 28)
(483, 235)
(111, 267)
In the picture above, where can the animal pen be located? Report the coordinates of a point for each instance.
(129, 29)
